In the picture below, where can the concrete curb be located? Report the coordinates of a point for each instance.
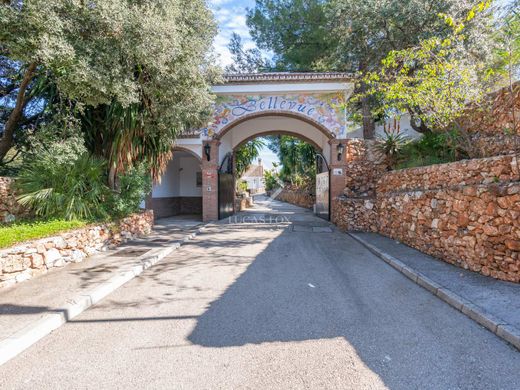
(496, 325)
(23, 339)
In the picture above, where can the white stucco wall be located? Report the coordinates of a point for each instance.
(254, 183)
(192, 144)
(180, 178)
(188, 177)
(405, 129)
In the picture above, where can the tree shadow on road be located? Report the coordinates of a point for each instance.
(309, 287)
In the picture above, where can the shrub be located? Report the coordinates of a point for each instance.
(391, 146)
(53, 187)
(23, 231)
(241, 186)
(271, 180)
(431, 148)
(133, 187)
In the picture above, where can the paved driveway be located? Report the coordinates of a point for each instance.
(269, 305)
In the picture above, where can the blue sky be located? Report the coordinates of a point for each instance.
(231, 17)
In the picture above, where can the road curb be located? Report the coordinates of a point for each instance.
(499, 327)
(23, 339)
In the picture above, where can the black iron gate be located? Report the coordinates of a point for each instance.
(226, 188)
(322, 206)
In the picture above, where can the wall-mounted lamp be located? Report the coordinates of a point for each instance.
(340, 149)
(207, 151)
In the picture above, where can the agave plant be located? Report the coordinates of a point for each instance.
(54, 188)
(390, 146)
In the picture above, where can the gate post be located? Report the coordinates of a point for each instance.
(337, 177)
(210, 181)
(353, 193)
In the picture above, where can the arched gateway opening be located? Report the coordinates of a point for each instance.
(256, 125)
(309, 106)
(180, 191)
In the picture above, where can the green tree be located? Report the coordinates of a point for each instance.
(136, 71)
(353, 35)
(436, 79)
(246, 154)
(366, 31)
(508, 55)
(297, 159)
(295, 31)
(245, 60)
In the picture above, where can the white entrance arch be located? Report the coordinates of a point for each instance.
(256, 125)
(311, 106)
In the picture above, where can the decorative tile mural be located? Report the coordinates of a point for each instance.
(326, 109)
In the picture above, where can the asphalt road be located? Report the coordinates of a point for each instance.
(268, 306)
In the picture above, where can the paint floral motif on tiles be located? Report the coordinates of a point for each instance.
(326, 109)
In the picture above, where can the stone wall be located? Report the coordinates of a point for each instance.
(356, 214)
(364, 166)
(494, 124)
(495, 145)
(355, 208)
(466, 213)
(23, 261)
(9, 207)
(299, 197)
(499, 113)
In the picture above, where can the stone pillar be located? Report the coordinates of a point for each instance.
(210, 182)
(337, 174)
(353, 195)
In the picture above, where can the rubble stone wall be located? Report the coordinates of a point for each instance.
(26, 260)
(466, 213)
(355, 214)
(298, 197)
(356, 208)
(494, 123)
(498, 114)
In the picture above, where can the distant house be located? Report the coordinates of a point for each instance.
(254, 177)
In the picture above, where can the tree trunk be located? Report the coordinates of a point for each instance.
(112, 177)
(369, 125)
(421, 127)
(6, 141)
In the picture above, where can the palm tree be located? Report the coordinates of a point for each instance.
(246, 154)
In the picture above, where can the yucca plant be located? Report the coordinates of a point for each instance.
(54, 188)
(391, 145)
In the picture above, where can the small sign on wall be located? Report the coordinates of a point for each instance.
(337, 172)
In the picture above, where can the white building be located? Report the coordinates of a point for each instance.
(254, 177)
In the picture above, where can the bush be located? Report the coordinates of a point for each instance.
(241, 186)
(391, 146)
(134, 186)
(23, 231)
(271, 180)
(53, 187)
(431, 148)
